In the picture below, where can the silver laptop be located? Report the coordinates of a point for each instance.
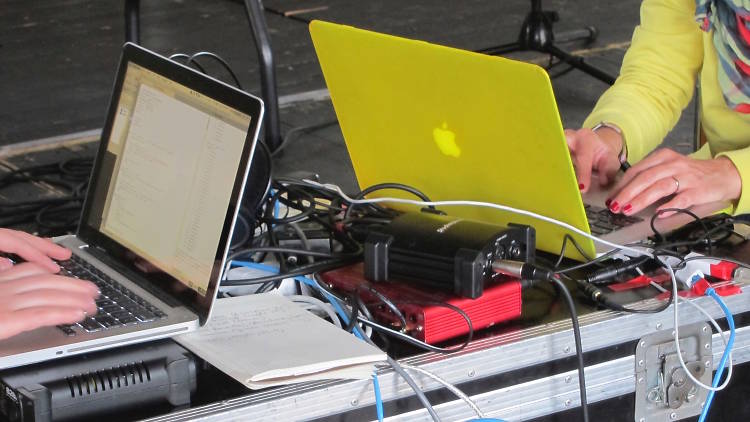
(160, 210)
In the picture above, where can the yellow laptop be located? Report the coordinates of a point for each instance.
(458, 125)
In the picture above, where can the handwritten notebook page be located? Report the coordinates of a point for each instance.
(264, 339)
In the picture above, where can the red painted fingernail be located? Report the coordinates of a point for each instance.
(607, 202)
(580, 186)
(614, 207)
(627, 208)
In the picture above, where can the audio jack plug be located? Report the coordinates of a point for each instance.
(527, 273)
(530, 273)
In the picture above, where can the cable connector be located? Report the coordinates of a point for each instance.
(522, 270)
(705, 266)
(606, 274)
(694, 278)
(701, 286)
(596, 294)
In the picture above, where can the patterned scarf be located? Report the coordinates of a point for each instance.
(730, 20)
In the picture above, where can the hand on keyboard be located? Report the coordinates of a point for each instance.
(32, 249)
(31, 296)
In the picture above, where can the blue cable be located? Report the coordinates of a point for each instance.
(276, 205)
(312, 283)
(724, 357)
(339, 310)
(378, 399)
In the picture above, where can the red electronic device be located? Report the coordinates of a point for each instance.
(427, 319)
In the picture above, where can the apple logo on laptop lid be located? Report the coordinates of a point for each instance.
(446, 141)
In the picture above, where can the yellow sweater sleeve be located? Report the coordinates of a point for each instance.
(657, 77)
(741, 159)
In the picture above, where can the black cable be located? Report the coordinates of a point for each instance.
(567, 237)
(456, 309)
(594, 261)
(406, 337)
(253, 199)
(292, 133)
(398, 186)
(241, 226)
(394, 364)
(197, 65)
(53, 215)
(58, 217)
(387, 302)
(272, 239)
(382, 186)
(179, 56)
(367, 314)
(525, 271)
(660, 237)
(697, 258)
(603, 298)
(354, 315)
(606, 275)
(361, 308)
(411, 340)
(218, 59)
(299, 271)
(268, 286)
(725, 224)
(279, 249)
(579, 348)
(306, 211)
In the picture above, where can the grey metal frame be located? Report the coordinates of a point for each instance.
(484, 358)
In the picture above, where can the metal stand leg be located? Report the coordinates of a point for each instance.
(537, 35)
(272, 122)
(132, 21)
(578, 63)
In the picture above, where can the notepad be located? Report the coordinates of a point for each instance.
(264, 340)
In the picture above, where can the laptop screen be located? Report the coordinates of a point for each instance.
(174, 153)
(171, 165)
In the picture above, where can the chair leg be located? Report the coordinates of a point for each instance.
(132, 21)
(272, 122)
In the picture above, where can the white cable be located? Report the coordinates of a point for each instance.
(460, 394)
(576, 230)
(677, 340)
(710, 320)
(338, 190)
(328, 309)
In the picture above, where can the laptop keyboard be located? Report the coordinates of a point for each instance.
(117, 305)
(602, 221)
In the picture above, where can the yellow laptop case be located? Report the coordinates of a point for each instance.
(454, 124)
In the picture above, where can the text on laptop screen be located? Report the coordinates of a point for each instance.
(173, 154)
